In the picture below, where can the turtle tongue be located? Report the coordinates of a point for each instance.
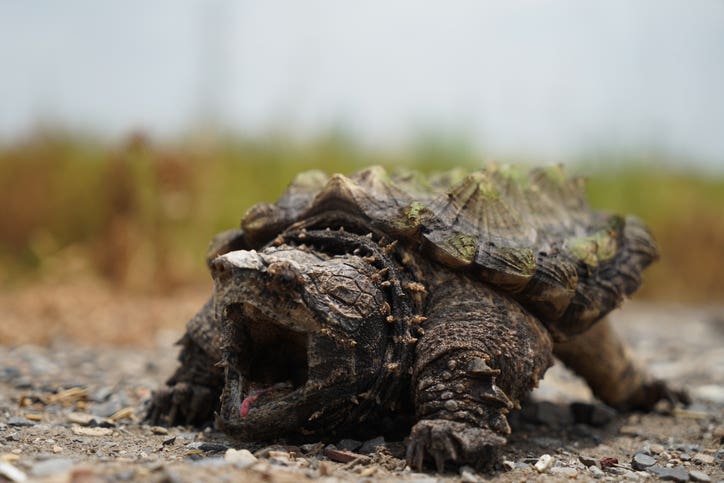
(255, 394)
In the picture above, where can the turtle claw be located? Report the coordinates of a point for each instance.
(182, 403)
(650, 393)
(451, 441)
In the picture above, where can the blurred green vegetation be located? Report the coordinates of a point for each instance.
(139, 214)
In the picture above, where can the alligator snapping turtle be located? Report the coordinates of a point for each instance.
(359, 302)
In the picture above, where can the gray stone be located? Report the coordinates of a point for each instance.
(596, 471)
(349, 444)
(369, 446)
(641, 461)
(18, 421)
(206, 446)
(564, 471)
(677, 473)
(697, 475)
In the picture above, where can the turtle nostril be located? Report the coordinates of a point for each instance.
(220, 269)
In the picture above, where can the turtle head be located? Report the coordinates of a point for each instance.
(305, 338)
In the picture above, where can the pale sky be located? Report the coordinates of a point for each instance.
(546, 79)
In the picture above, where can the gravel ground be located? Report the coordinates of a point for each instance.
(71, 411)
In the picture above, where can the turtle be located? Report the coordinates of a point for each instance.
(410, 304)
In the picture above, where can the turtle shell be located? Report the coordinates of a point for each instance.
(529, 233)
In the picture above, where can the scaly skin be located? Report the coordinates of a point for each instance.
(480, 354)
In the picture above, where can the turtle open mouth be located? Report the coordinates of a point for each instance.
(269, 359)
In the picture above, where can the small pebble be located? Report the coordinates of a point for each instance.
(702, 458)
(241, 458)
(641, 461)
(697, 475)
(543, 463)
(312, 448)
(656, 448)
(467, 475)
(159, 430)
(596, 472)
(563, 471)
(685, 457)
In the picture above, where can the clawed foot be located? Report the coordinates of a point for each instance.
(182, 403)
(650, 393)
(451, 441)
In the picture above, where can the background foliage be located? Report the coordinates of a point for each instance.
(139, 214)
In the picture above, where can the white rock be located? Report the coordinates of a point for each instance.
(543, 463)
(11, 473)
(241, 458)
(467, 475)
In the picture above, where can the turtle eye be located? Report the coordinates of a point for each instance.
(284, 275)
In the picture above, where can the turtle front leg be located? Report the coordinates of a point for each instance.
(479, 355)
(192, 394)
(605, 361)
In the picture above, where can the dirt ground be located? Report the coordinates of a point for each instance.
(78, 365)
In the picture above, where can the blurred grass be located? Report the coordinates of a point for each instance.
(140, 214)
